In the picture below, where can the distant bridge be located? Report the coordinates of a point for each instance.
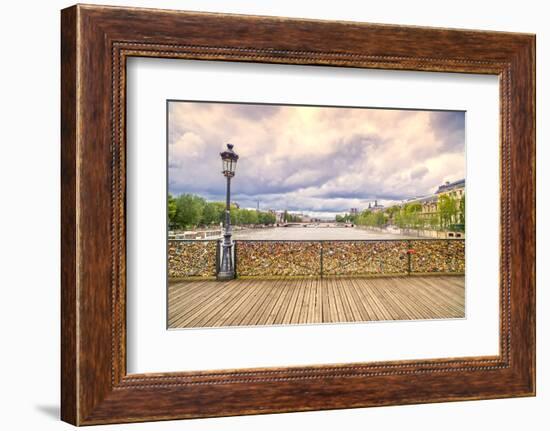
(314, 224)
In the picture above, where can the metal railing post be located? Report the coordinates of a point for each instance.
(409, 245)
(447, 264)
(217, 256)
(235, 258)
(321, 262)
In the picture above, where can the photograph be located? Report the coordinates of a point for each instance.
(283, 214)
(281, 211)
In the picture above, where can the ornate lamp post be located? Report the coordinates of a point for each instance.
(229, 163)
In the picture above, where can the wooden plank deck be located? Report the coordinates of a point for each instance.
(248, 302)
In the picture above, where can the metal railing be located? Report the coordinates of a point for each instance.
(319, 258)
(195, 235)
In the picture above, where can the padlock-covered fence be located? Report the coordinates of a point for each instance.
(326, 258)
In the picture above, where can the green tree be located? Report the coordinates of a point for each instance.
(371, 218)
(411, 213)
(248, 216)
(462, 210)
(447, 210)
(235, 214)
(266, 218)
(172, 209)
(213, 213)
(294, 218)
(379, 219)
(285, 216)
(433, 221)
(391, 212)
(189, 209)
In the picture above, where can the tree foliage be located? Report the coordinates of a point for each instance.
(462, 210)
(172, 209)
(450, 214)
(189, 211)
(448, 210)
(213, 213)
(346, 218)
(371, 218)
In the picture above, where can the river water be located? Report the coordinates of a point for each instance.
(313, 233)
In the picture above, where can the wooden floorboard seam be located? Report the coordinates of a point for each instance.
(252, 302)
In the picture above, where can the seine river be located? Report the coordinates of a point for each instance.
(313, 233)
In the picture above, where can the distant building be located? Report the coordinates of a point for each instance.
(448, 187)
(376, 207)
(279, 215)
(354, 211)
(429, 203)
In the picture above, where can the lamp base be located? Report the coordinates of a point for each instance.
(224, 276)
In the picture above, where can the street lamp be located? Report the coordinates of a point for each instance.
(229, 163)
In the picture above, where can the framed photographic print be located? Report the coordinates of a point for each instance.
(266, 215)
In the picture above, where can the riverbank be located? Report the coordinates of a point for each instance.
(414, 233)
(321, 232)
(313, 233)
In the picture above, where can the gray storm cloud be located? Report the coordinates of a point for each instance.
(313, 159)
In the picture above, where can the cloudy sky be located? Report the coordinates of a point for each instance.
(315, 160)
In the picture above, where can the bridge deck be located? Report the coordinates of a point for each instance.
(247, 302)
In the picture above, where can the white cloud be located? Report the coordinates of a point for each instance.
(311, 158)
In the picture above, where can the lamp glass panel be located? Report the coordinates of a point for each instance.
(226, 164)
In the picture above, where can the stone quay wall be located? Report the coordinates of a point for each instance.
(320, 258)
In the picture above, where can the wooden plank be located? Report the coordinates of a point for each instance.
(183, 290)
(438, 305)
(427, 308)
(195, 309)
(189, 306)
(309, 316)
(249, 302)
(445, 293)
(278, 305)
(355, 315)
(271, 298)
(318, 314)
(284, 304)
(364, 309)
(187, 302)
(226, 297)
(246, 307)
(404, 308)
(287, 316)
(269, 294)
(325, 303)
(449, 302)
(338, 310)
(369, 288)
(302, 288)
(386, 301)
(187, 295)
(222, 317)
